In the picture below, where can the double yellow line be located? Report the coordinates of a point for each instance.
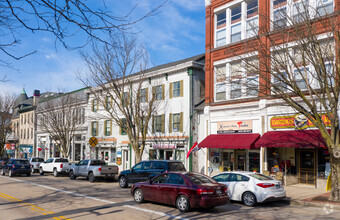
(31, 206)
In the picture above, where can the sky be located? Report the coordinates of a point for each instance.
(176, 32)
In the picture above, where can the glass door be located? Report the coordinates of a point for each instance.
(307, 167)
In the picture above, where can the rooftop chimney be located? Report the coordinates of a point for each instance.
(36, 95)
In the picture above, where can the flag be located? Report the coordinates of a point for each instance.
(194, 148)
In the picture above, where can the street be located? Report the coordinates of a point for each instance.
(48, 197)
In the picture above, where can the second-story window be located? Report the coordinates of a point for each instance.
(123, 127)
(158, 123)
(324, 7)
(95, 105)
(280, 14)
(108, 103)
(300, 11)
(177, 89)
(143, 95)
(176, 121)
(236, 76)
(221, 29)
(159, 92)
(94, 128)
(107, 127)
(235, 28)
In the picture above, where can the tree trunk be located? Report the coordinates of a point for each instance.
(335, 175)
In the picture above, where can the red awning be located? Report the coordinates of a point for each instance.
(230, 141)
(303, 138)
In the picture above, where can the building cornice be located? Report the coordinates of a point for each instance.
(207, 3)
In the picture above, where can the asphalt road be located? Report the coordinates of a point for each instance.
(48, 197)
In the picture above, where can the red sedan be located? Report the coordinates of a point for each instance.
(184, 189)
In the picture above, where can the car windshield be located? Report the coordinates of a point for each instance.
(199, 179)
(176, 166)
(260, 176)
(98, 162)
(61, 160)
(37, 160)
(21, 162)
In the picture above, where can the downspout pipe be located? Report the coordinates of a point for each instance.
(190, 74)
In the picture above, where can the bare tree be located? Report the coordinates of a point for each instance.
(296, 59)
(60, 117)
(117, 79)
(6, 106)
(63, 19)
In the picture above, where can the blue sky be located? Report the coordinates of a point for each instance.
(176, 32)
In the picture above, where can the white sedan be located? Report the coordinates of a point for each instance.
(250, 187)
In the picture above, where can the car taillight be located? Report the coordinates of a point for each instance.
(13, 166)
(265, 185)
(100, 169)
(61, 165)
(205, 191)
(225, 189)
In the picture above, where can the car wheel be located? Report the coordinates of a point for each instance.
(10, 174)
(182, 203)
(55, 172)
(92, 178)
(32, 170)
(72, 176)
(122, 182)
(138, 196)
(249, 199)
(41, 172)
(2, 172)
(28, 174)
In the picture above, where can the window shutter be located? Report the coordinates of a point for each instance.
(93, 105)
(110, 127)
(153, 124)
(163, 123)
(147, 94)
(97, 104)
(170, 122)
(154, 92)
(181, 88)
(163, 92)
(170, 91)
(181, 122)
(120, 127)
(105, 122)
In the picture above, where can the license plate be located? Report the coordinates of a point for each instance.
(218, 191)
(278, 186)
(22, 167)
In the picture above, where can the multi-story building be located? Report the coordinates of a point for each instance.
(71, 106)
(235, 116)
(177, 87)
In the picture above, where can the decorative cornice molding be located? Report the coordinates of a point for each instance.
(207, 3)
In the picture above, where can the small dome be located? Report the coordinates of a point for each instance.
(22, 97)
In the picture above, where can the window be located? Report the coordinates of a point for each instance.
(144, 95)
(113, 155)
(280, 14)
(125, 100)
(159, 92)
(300, 11)
(221, 91)
(221, 29)
(95, 105)
(108, 103)
(324, 7)
(236, 75)
(252, 22)
(300, 75)
(108, 125)
(160, 179)
(152, 154)
(31, 133)
(237, 178)
(252, 77)
(180, 155)
(176, 121)
(235, 28)
(221, 178)
(220, 72)
(94, 128)
(176, 92)
(175, 179)
(147, 165)
(158, 123)
(123, 127)
(138, 166)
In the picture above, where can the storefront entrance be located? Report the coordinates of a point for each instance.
(307, 167)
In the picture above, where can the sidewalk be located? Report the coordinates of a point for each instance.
(306, 195)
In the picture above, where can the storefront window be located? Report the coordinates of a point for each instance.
(179, 155)
(323, 163)
(254, 161)
(228, 161)
(152, 154)
(113, 155)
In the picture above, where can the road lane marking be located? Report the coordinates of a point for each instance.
(97, 199)
(33, 207)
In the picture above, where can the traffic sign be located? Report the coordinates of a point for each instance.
(93, 141)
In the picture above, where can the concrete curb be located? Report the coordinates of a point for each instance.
(314, 204)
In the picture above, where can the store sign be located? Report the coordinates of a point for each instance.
(119, 157)
(228, 127)
(297, 121)
(164, 146)
(26, 149)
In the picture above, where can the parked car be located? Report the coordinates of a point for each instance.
(16, 167)
(92, 169)
(251, 188)
(55, 166)
(146, 170)
(185, 190)
(35, 163)
(3, 160)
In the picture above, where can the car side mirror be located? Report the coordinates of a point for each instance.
(131, 169)
(150, 181)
